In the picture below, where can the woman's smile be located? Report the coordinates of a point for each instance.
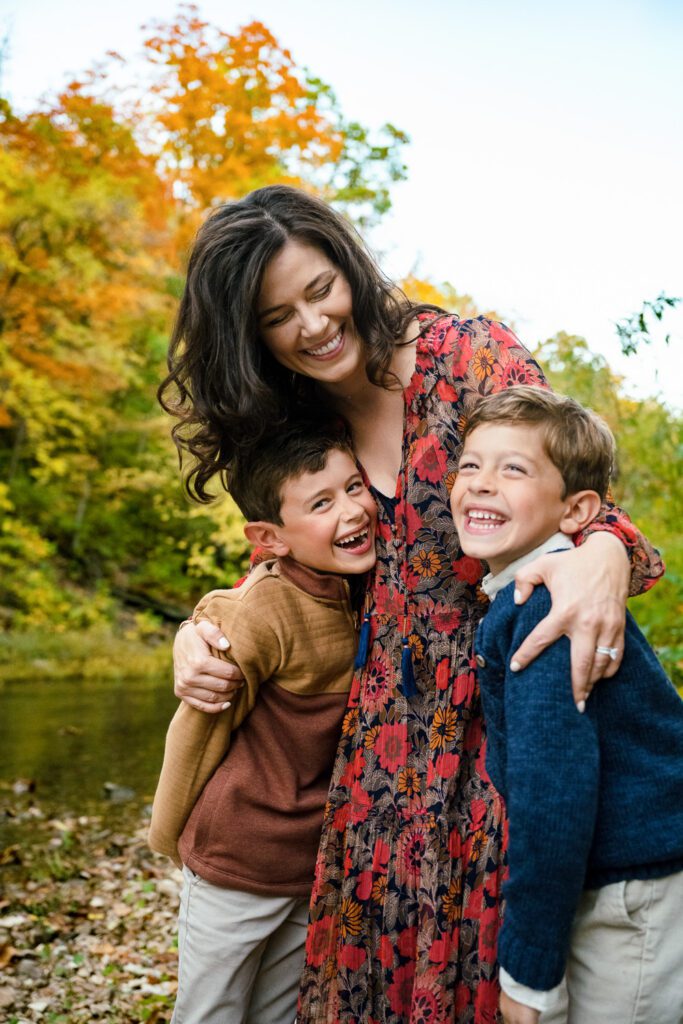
(328, 349)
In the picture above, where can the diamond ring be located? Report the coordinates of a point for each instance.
(611, 652)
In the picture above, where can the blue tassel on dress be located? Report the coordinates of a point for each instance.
(363, 643)
(407, 673)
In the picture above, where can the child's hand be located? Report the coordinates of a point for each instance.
(201, 679)
(516, 1013)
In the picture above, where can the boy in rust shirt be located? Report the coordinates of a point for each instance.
(241, 794)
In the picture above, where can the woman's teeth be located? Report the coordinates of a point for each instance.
(329, 346)
(354, 540)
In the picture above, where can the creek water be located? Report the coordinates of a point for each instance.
(83, 747)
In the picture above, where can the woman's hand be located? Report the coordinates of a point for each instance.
(201, 679)
(588, 587)
(516, 1013)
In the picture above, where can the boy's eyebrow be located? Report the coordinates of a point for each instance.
(311, 284)
(326, 490)
(509, 453)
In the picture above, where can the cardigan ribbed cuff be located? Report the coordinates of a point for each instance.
(534, 966)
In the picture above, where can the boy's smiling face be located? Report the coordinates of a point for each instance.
(328, 517)
(507, 497)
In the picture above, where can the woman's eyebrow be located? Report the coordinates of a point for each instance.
(311, 284)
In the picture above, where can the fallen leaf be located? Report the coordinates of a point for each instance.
(7, 954)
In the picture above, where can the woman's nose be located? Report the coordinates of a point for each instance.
(313, 321)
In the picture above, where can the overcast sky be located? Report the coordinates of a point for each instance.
(546, 155)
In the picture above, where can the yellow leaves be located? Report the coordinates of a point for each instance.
(99, 199)
(443, 295)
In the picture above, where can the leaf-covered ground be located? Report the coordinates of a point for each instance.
(87, 923)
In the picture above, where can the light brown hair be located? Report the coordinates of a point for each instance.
(577, 441)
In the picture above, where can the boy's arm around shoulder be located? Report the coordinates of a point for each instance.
(551, 757)
(196, 742)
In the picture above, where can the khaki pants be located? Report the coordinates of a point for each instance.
(625, 964)
(240, 955)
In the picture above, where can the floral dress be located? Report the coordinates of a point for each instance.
(406, 902)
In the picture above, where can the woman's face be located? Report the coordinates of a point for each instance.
(305, 317)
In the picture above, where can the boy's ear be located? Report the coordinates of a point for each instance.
(581, 509)
(267, 537)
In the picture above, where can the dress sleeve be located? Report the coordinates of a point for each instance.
(488, 357)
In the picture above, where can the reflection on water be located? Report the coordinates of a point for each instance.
(73, 736)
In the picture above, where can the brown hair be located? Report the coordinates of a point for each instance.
(577, 441)
(258, 472)
(223, 385)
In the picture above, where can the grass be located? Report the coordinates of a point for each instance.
(100, 653)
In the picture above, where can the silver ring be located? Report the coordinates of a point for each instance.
(611, 652)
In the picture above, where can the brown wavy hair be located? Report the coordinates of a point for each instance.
(223, 386)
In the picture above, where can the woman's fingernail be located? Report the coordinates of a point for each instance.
(517, 596)
(581, 706)
(223, 644)
(224, 707)
(515, 666)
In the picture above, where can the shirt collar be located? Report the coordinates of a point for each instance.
(492, 584)
(326, 585)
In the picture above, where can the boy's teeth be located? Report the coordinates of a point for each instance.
(486, 515)
(352, 539)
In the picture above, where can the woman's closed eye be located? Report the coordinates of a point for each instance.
(286, 314)
(323, 292)
(281, 318)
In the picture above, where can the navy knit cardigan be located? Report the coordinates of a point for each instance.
(591, 799)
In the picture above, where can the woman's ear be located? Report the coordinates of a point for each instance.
(266, 536)
(581, 509)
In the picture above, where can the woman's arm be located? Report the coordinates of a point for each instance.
(612, 560)
(201, 679)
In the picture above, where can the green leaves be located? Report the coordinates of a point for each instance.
(635, 330)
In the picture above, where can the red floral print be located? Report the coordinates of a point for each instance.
(406, 904)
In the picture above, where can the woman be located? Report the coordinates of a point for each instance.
(283, 307)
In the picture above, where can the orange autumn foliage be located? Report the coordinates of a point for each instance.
(101, 189)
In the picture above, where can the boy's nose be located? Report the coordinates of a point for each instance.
(482, 483)
(352, 509)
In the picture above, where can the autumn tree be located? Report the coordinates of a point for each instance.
(99, 196)
(234, 112)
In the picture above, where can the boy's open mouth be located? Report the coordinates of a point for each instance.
(481, 521)
(359, 541)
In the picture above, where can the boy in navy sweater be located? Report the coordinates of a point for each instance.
(594, 793)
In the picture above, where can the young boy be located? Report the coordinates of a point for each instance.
(595, 800)
(245, 821)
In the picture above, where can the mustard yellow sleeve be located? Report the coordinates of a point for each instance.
(197, 742)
